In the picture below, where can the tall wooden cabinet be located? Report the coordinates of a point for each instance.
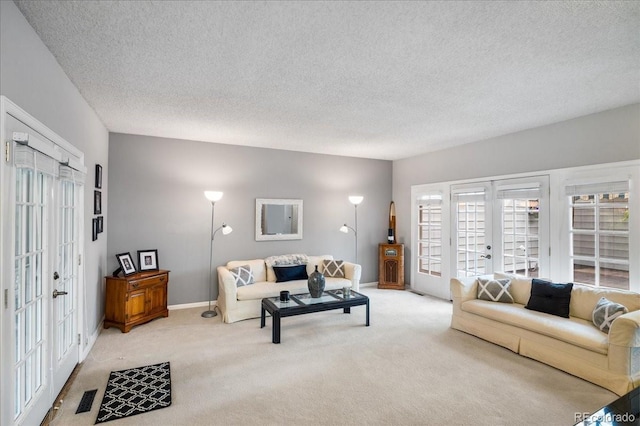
(135, 299)
(391, 266)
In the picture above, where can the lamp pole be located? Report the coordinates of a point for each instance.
(211, 313)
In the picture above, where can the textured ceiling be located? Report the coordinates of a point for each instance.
(384, 80)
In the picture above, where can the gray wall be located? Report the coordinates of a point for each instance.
(32, 78)
(605, 137)
(156, 201)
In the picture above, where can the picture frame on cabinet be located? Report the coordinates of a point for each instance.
(98, 176)
(97, 202)
(126, 263)
(148, 260)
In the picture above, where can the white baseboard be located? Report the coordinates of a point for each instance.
(372, 284)
(191, 305)
(91, 340)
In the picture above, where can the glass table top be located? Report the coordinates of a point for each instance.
(305, 299)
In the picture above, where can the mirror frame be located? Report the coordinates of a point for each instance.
(260, 202)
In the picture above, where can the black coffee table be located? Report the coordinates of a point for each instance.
(300, 304)
(624, 411)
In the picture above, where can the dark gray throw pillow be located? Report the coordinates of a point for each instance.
(606, 312)
(290, 273)
(494, 290)
(550, 298)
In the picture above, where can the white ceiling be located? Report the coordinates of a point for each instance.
(384, 80)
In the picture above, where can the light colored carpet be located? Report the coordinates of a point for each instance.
(407, 368)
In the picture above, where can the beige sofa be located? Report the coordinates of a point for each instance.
(238, 303)
(572, 344)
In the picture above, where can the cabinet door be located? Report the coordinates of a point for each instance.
(136, 305)
(157, 297)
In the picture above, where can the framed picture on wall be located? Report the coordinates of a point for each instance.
(148, 260)
(100, 224)
(126, 263)
(97, 202)
(98, 176)
(94, 230)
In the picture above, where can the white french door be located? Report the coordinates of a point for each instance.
(41, 214)
(501, 225)
(472, 213)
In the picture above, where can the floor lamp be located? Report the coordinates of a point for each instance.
(355, 200)
(213, 196)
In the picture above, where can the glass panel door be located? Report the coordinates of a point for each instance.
(472, 229)
(31, 260)
(522, 226)
(65, 284)
(41, 244)
(501, 226)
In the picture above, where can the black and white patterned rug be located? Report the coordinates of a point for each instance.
(136, 391)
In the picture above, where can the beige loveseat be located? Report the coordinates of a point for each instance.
(571, 344)
(243, 302)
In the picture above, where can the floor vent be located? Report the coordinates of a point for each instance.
(87, 401)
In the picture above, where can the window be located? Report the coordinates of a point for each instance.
(430, 234)
(599, 233)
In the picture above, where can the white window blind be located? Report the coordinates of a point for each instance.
(598, 188)
(69, 174)
(518, 192)
(26, 158)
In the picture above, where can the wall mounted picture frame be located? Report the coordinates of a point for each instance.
(100, 224)
(148, 260)
(126, 263)
(97, 202)
(98, 176)
(94, 229)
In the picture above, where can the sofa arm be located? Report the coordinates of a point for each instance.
(625, 330)
(227, 290)
(352, 272)
(463, 289)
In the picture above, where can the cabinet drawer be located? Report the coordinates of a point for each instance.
(147, 282)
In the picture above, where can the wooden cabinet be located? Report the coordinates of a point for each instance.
(391, 266)
(135, 299)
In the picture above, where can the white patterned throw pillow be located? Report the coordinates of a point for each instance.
(242, 275)
(605, 312)
(494, 290)
(333, 268)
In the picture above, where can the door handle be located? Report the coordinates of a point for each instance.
(57, 293)
(483, 256)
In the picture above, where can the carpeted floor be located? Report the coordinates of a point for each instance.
(407, 368)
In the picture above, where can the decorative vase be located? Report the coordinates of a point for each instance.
(316, 283)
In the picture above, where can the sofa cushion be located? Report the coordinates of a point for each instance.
(242, 275)
(257, 268)
(263, 289)
(333, 268)
(550, 298)
(494, 290)
(606, 312)
(584, 299)
(571, 330)
(283, 260)
(290, 273)
(317, 260)
(520, 286)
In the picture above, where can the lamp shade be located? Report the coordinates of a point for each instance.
(213, 196)
(344, 228)
(226, 229)
(356, 199)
